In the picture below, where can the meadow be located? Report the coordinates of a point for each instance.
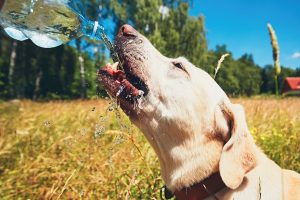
(90, 150)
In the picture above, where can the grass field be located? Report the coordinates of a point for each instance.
(88, 150)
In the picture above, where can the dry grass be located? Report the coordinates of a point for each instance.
(276, 54)
(275, 125)
(220, 63)
(81, 150)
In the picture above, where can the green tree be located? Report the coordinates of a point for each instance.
(59, 74)
(248, 75)
(226, 77)
(177, 34)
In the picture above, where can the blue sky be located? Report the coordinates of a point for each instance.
(242, 26)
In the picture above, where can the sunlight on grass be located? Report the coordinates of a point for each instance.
(83, 150)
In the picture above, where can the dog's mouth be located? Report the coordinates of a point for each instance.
(123, 84)
(126, 81)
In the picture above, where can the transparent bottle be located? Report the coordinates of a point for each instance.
(49, 23)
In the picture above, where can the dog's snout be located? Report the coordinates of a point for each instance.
(128, 31)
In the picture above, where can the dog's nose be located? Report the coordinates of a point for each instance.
(128, 31)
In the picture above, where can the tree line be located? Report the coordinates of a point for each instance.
(69, 71)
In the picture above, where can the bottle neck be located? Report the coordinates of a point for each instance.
(1, 4)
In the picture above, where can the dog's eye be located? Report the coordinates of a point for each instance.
(178, 65)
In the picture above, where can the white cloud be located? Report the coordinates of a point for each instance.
(296, 55)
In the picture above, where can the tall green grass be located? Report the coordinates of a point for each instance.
(84, 150)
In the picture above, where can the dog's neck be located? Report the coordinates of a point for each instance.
(184, 163)
(187, 166)
(204, 189)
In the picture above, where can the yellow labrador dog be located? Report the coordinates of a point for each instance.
(201, 139)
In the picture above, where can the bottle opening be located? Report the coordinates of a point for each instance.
(1, 4)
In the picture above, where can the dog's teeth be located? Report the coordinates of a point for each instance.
(141, 93)
(115, 66)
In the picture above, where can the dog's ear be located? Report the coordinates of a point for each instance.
(238, 154)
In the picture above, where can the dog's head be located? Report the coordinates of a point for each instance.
(179, 107)
(151, 84)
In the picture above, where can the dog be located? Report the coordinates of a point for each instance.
(202, 141)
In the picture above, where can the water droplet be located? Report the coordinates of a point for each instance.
(139, 101)
(33, 2)
(47, 123)
(119, 140)
(81, 193)
(140, 41)
(121, 88)
(83, 131)
(141, 93)
(99, 130)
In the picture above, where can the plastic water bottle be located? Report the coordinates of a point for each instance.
(49, 23)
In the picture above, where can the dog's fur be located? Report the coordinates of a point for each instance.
(196, 131)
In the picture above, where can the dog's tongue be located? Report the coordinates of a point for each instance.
(120, 83)
(130, 89)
